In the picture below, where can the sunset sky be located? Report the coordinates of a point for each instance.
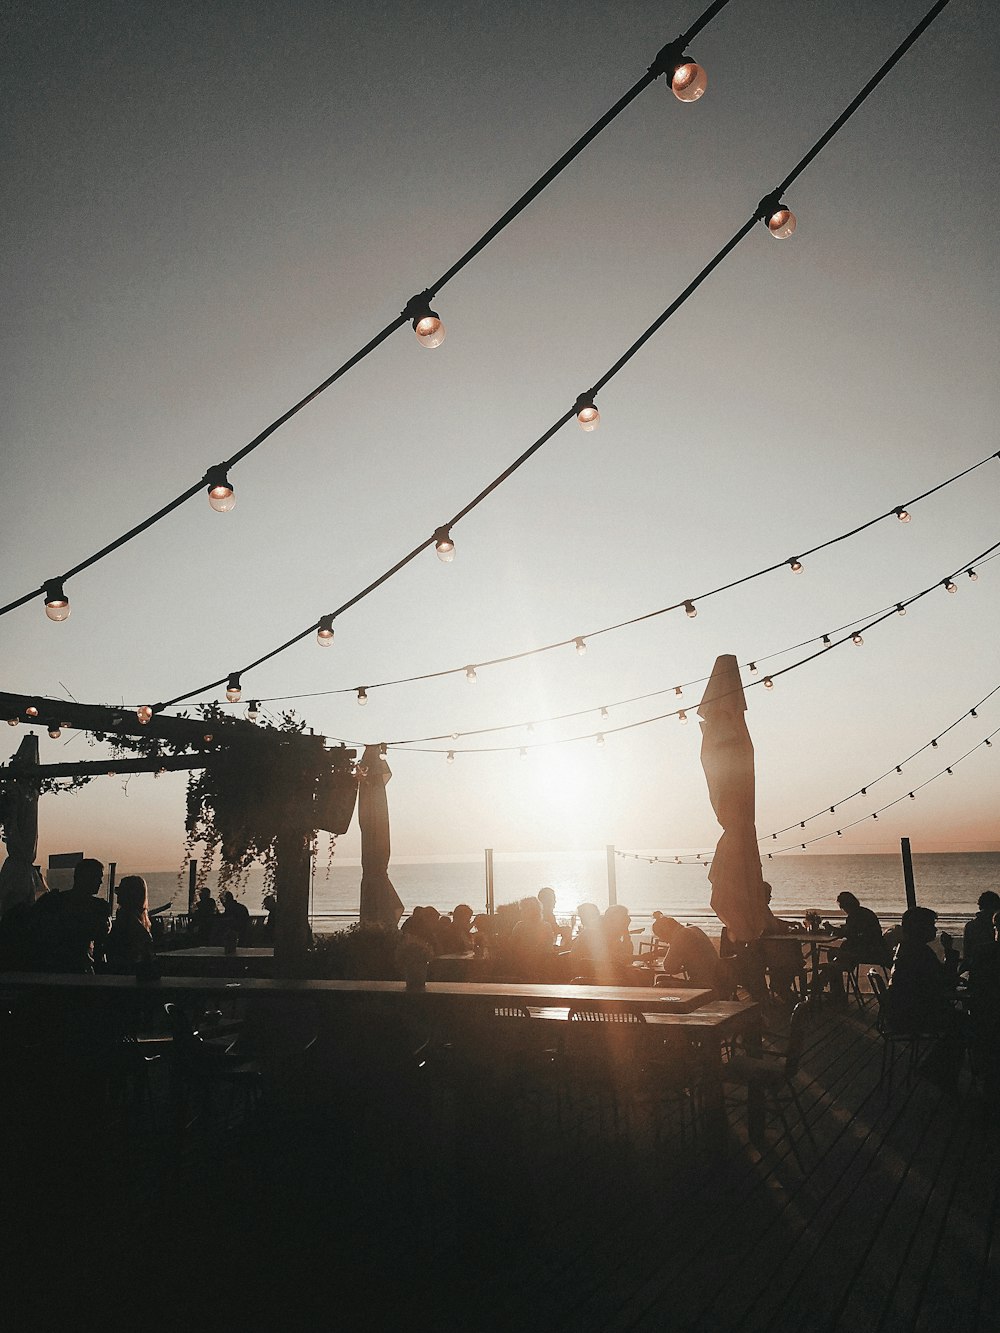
(210, 206)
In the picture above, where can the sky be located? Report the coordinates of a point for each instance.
(209, 206)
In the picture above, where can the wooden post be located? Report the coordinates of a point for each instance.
(291, 887)
(192, 884)
(911, 892)
(489, 881)
(612, 875)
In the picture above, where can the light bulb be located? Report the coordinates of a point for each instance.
(426, 322)
(220, 493)
(768, 683)
(600, 740)
(857, 640)
(753, 668)
(875, 816)
(972, 575)
(899, 768)
(795, 565)
(948, 770)
(454, 735)
(470, 674)
(690, 610)
(678, 691)
(31, 711)
(233, 690)
(523, 754)
(208, 738)
(13, 722)
(902, 514)
(451, 756)
(988, 744)
(934, 744)
(362, 695)
(826, 640)
(912, 797)
(973, 713)
(682, 716)
(587, 414)
(54, 731)
(444, 546)
(145, 714)
(900, 609)
(253, 712)
(949, 586)
(159, 772)
(604, 712)
(580, 645)
(781, 223)
(839, 834)
(689, 81)
(56, 601)
(324, 634)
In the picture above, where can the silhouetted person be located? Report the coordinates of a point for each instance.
(979, 933)
(782, 958)
(547, 897)
(984, 1010)
(69, 929)
(920, 997)
(130, 943)
(531, 942)
(863, 943)
(616, 963)
(689, 950)
(587, 951)
(204, 916)
(235, 918)
(455, 936)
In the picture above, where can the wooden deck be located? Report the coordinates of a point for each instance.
(403, 1207)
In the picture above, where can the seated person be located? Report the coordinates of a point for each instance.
(613, 962)
(786, 969)
(547, 897)
(689, 950)
(979, 935)
(454, 935)
(586, 948)
(204, 915)
(531, 948)
(920, 996)
(129, 946)
(863, 943)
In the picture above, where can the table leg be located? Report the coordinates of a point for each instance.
(755, 1093)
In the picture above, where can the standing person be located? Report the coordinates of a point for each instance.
(978, 935)
(70, 929)
(130, 942)
(204, 916)
(547, 897)
(235, 917)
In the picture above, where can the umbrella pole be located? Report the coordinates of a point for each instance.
(908, 884)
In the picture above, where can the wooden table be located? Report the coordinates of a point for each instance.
(815, 939)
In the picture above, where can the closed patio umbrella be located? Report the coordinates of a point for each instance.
(738, 894)
(380, 903)
(20, 882)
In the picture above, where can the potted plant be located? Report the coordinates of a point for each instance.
(413, 957)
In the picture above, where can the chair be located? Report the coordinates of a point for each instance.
(917, 1043)
(774, 1079)
(198, 1066)
(852, 977)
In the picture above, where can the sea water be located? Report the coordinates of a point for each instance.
(949, 882)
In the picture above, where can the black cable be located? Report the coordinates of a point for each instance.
(759, 214)
(661, 65)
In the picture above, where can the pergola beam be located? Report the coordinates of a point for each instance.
(112, 720)
(96, 768)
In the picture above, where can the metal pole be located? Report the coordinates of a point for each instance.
(112, 869)
(192, 884)
(489, 881)
(612, 875)
(911, 892)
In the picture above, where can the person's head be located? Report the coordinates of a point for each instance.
(485, 926)
(204, 895)
(919, 924)
(547, 897)
(133, 899)
(616, 920)
(462, 916)
(589, 916)
(269, 902)
(989, 903)
(665, 928)
(226, 898)
(88, 875)
(530, 909)
(847, 902)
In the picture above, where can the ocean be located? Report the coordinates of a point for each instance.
(949, 882)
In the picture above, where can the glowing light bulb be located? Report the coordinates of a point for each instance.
(902, 514)
(581, 646)
(949, 586)
(682, 716)
(857, 640)
(451, 757)
(795, 565)
(426, 322)
(689, 81)
(362, 695)
(31, 711)
(56, 601)
(145, 714)
(233, 690)
(220, 492)
(690, 610)
(600, 740)
(54, 731)
(974, 577)
(13, 722)
(587, 414)
(253, 712)
(454, 735)
(208, 738)
(782, 222)
(900, 609)
(324, 634)
(444, 546)
(768, 683)
(470, 674)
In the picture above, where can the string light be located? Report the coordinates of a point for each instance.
(682, 716)
(13, 722)
(383, 752)
(795, 565)
(768, 683)
(145, 714)
(900, 609)
(688, 81)
(362, 695)
(530, 727)
(949, 586)
(233, 689)
(826, 641)
(587, 415)
(54, 730)
(253, 711)
(56, 601)
(678, 691)
(220, 493)
(604, 713)
(753, 668)
(444, 546)
(779, 219)
(426, 322)
(325, 632)
(600, 740)
(902, 514)
(470, 675)
(856, 639)
(912, 797)
(974, 577)
(581, 646)
(690, 610)
(450, 757)
(523, 754)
